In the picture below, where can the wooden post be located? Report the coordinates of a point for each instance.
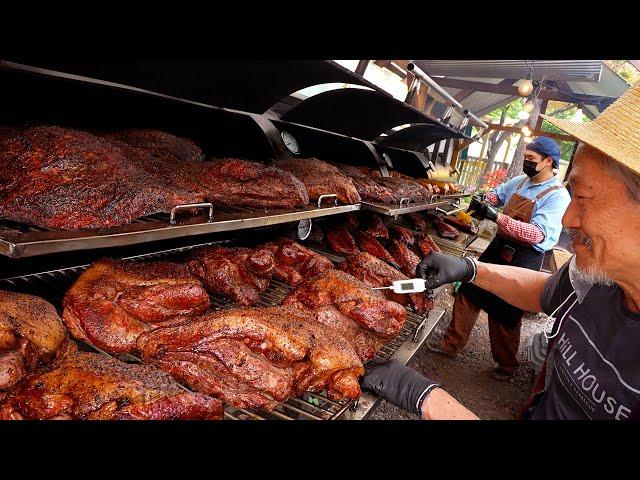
(445, 153)
(362, 67)
(506, 153)
(543, 110)
(456, 153)
(570, 166)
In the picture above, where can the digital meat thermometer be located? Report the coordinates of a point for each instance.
(413, 285)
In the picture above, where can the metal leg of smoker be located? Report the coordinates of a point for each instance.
(406, 351)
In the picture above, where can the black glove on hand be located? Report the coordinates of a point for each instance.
(476, 203)
(439, 268)
(397, 383)
(487, 211)
(481, 208)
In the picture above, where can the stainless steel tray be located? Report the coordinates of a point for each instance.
(393, 210)
(17, 241)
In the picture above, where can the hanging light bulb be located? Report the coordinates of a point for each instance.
(523, 115)
(525, 88)
(526, 131)
(528, 106)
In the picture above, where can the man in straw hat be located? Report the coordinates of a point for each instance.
(592, 368)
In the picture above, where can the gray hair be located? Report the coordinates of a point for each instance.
(629, 178)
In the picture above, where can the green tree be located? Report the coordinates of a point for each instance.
(624, 69)
(560, 110)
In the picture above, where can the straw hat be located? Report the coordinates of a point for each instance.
(615, 132)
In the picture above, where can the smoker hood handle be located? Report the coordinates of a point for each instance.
(331, 195)
(172, 218)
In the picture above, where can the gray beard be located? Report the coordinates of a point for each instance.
(593, 276)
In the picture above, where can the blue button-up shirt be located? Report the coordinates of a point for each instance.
(547, 212)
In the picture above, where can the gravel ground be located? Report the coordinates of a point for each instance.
(468, 377)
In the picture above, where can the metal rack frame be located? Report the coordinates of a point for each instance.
(52, 285)
(404, 206)
(18, 241)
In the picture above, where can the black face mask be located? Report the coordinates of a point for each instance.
(529, 168)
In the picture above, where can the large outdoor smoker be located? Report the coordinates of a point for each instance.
(235, 109)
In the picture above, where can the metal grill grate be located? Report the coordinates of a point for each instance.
(53, 284)
(450, 247)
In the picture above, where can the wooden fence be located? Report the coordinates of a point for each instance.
(472, 168)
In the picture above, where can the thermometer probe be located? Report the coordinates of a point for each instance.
(413, 285)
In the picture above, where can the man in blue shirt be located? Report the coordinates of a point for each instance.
(529, 225)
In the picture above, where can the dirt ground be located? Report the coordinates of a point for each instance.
(468, 377)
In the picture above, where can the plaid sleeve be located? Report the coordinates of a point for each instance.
(492, 198)
(525, 232)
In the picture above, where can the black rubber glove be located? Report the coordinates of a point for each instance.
(439, 268)
(397, 383)
(476, 203)
(481, 208)
(485, 210)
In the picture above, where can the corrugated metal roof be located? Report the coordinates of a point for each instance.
(610, 85)
(481, 103)
(568, 70)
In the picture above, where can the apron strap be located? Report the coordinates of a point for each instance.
(521, 184)
(548, 190)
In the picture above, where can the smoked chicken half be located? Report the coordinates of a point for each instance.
(113, 302)
(295, 263)
(361, 315)
(406, 258)
(237, 273)
(255, 358)
(32, 335)
(94, 386)
(370, 244)
(376, 273)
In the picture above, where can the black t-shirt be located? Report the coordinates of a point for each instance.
(595, 362)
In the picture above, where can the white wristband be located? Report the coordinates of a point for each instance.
(474, 263)
(423, 396)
